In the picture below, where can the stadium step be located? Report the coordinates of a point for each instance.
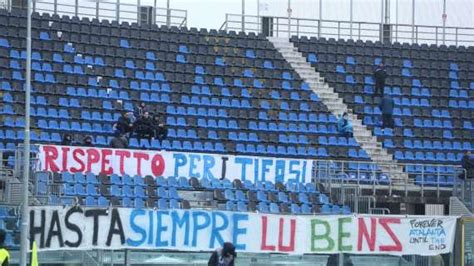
(336, 105)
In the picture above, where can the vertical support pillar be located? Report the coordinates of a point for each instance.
(243, 16)
(381, 19)
(127, 257)
(445, 17)
(168, 14)
(154, 12)
(396, 20)
(351, 17)
(320, 17)
(139, 14)
(259, 22)
(24, 244)
(387, 11)
(76, 8)
(412, 21)
(289, 19)
(117, 11)
(97, 10)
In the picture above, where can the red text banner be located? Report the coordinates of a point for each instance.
(169, 163)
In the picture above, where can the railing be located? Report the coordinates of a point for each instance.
(111, 10)
(351, 177)
(369, 176)
(357, 30)
(465, 192)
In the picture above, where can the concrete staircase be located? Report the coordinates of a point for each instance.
(458, 208)
(336, 106)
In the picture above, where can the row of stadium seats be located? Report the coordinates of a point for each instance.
(160, 192)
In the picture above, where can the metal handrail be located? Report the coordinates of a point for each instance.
(353, 30)
(113, 10)
(328, 172)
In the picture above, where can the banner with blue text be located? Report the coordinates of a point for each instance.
(59, 228)
(169, 163)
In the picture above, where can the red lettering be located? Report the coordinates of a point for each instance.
(291, 246)
(106, 169)
(139, 156)
(93, 157)
(157, 165)
(264, 236)
(385, 224)
(363, 233)
(65, 153)
(122, 155)
(50, 154)
(75, 155)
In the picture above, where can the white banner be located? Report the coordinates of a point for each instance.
(169, 163)
(55, 228)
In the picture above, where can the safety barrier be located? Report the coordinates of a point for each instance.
(356, 30)
(111, 10)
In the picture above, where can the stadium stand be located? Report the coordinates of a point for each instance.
(431, 86)
(229, 93)
(432, 90)
(219, 92)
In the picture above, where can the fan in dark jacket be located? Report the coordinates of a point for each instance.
(386, 106)
(467, 162)
(144, 127)
(224, 256)
(124, 124)
(380, 75)
(161, 131)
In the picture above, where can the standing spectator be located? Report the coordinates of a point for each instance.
(124, 125)
(344, 126)
(140, 110)
(67, 140)
(4, 254)
(467, 162)
(380, 75)
(119, 142)
(144, 126)
(224, 256)
(87, 142)
(161, 131)
(386, 106)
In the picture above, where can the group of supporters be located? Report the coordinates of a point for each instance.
(140, 124)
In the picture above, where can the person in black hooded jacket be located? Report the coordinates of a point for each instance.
(144, 127)
(124, 124)
(380, 75)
